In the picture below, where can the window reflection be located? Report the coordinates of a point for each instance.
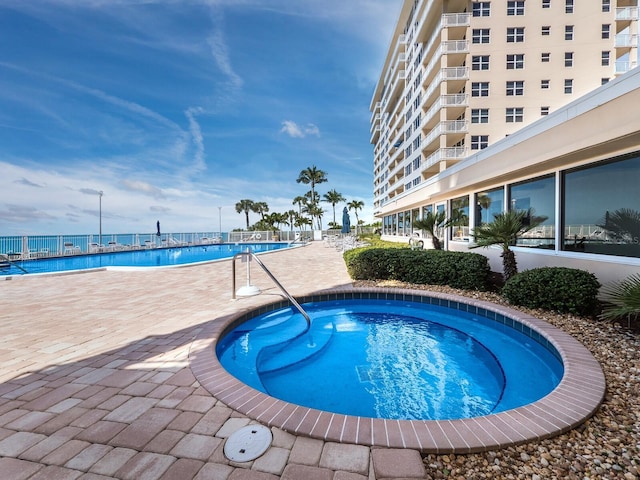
(460, 218)
(488, 204)
(602, 209)
(537, 196)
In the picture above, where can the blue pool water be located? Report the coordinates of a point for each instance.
(390, 359)
(155, 257)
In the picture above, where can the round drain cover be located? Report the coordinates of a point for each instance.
(248, 443)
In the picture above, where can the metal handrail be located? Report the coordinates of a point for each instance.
(252, 255)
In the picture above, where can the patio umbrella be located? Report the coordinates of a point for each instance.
(346, 221)
(158, 227)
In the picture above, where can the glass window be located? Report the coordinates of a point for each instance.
(602, 208)
(546, 30)
(568, 86)
(515, 34)
(478, 142)
(479, 115)
(606, 6)
(480, 35)
(480, 62)
(568, 59)
(488, 204)
(400, 230)
(514, 115)
(546, 3)
(544, 111)
(426, 209)
(480, 89)
(515, 88)
(568, 32)
(544, 84)
(515, 61)
(605, 58)
(568, 6)
(606, 30)
(482, 9)
(545, 56)
(515, 7)
(408, 229)
(460, 218)
(537, 197)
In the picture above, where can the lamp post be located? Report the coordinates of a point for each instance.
(100, 193)
(220, 222)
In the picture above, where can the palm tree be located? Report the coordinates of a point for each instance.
(261, 208)
(356, 205)
(245, 206)
(432, 223)
(300, 201)
(622, 300)
(333, 197)
(315, 212)
(291, 218)
(313, 176)
(505, 230)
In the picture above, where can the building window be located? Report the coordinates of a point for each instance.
(416, 181)
(604, 81)
(606, 6)
(546, 3)
(599, 203)
(605, 58)
(515, 115)
(568, 59)
(568, 86)
(515, 61)
(515, 7)
(568, 6)
(488, 204)
(407, 170)
(416, 163)
(480, 89)
(479, 115)
(537, 197)
(544, 111)
(515, 88)
(606, 30)
(545, 57)
(544, 84)
(478, 142)
(515, 34)
(480, 35)
(482, 9)
(460, 218)
(568, 32)
(480, 62)
(546, 30)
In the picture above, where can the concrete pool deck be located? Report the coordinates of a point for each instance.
(96, 380)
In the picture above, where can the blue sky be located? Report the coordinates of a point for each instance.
(175, 108)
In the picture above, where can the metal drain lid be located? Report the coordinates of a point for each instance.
(248, 443)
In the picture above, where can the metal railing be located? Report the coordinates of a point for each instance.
(253, 256)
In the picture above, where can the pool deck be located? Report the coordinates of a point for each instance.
(100, 378)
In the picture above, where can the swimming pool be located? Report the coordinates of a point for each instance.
(390, 359)
(574, 399)
(153, 257)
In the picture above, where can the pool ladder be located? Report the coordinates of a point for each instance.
(253, 256)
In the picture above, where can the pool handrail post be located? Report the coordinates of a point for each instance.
(253, 256)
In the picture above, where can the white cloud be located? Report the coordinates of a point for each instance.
(294, 130)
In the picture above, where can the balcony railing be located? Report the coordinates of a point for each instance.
(627, 13)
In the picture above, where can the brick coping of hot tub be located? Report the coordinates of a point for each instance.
(577, 396)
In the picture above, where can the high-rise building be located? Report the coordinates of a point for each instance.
(460, 75)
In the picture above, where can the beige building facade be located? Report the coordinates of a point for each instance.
(531, 104)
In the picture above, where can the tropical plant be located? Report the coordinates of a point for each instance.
(623, 224)
(333, 197)
(432, 223)
(313, 176)
(356, 205)
(621, 300)
(505, 230)
(315, 213)
(300, 201)
(245, 206)
(291, 218)
(260, 208)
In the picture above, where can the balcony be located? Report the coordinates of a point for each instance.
(626, 14)
(626, 40)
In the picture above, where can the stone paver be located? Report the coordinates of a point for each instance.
(390, 463)
(95, 380)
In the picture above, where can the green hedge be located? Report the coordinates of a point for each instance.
(468, 271)
(559, 289)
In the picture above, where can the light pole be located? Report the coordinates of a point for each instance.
(100, 193)
(220, 222)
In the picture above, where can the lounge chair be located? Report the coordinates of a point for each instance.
(70, 249)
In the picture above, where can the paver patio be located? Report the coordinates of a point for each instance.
(95, 379)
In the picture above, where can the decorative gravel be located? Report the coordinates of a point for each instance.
(606, 446)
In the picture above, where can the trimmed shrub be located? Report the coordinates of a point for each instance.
(559, 289)
(468, 271)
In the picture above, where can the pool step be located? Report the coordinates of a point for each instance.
(299, 349)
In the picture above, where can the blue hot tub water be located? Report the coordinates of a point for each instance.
(390, 359)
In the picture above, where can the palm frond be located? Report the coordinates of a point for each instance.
(621, 300)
